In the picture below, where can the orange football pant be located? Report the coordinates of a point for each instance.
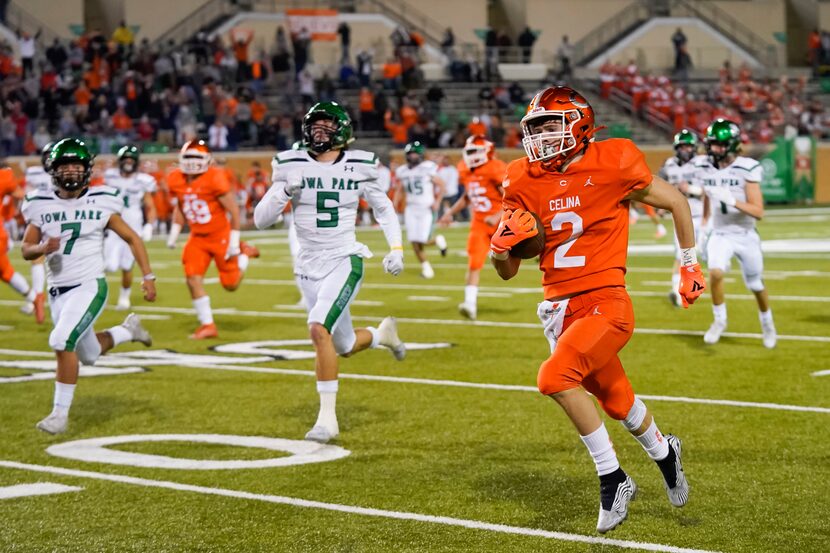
(199, 250)
(596, 327)
(478, 243)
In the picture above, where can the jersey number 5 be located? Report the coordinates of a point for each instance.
(332, 211)
(560, 258)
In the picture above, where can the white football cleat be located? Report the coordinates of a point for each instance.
(679, 494)
(713, 334)
(388, 338)
(27, 308)
(139, 334)
(427, 271)
(674, 299)
(469, 310)
(770, 336)
(441, 242)
(123, 304)
(608, 520)
(54, 424)
(322, 434)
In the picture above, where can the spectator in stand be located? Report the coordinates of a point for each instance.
(123, 37)
(241, 39)
(396, 128)
(526, 40)
(679, 41)
(27, 44)
(565, 54)
(448, 43)
(301, 43)
(501, 96)
(477, 127)
(218, 136)
(435, 94)
(825, 48)
(814, 50)
(145, 131)
(505, 45)
(280, 62)
(305, 84)
(491, 53)
(366, 105)
(485, 99)
(391, 74)
(364, 67)
(517, 94)
(345, 33)
(57, 55)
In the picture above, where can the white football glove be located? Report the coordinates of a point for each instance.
(147, 232)
(233, 245)
(393, 262)
(720, 194)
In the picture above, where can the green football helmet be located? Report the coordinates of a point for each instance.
(70, 151)
(338, 139)
(414, 153)
(726, 133)
(128, 159)
(685, 145)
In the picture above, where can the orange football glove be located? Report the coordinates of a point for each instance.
(514, 227)
(692, 284)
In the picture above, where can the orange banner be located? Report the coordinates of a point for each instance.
(322, 24)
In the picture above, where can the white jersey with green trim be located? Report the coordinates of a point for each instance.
(417, 183)
(676, 172)
(37, 179)
(325, 208)
(133, 188)
(734, 178)
(80, 223)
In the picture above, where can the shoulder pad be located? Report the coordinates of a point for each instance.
(291, 156)
(361, 156)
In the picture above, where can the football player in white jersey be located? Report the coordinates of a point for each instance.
(37, 179)
(732, 184)
(324, 183)
(679, 170)
(67, 225)
(418, 179)
(137, 189)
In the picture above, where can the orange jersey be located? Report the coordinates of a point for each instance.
(584, 213)
(483, 186)
(198, 199)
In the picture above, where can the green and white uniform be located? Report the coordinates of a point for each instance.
(75, 273)
(418, 216)
(37, 179)
(675, 172)
(329, 266)
(733, 231)
(117, 253)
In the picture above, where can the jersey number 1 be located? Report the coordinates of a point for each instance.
(560, 259)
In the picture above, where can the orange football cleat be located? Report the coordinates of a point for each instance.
(40, 308)
(249, 250)
(205, 331)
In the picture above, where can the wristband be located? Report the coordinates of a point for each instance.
(149, 276)
(234, 239)
(688, 256)
(500, 256)
(396, 248)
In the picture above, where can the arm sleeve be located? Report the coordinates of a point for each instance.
(634, 173)
(271, 206)
(384, 212)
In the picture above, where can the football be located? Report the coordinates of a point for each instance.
(533, 246)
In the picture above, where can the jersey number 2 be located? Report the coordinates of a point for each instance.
(560, 258)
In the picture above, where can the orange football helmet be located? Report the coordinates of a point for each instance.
(477, 151)
(195, 157)
(554, 145)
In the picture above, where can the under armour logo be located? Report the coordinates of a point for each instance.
(349, 169)
(696, 286)
(588, 182)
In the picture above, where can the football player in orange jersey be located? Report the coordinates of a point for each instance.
(581, 190)
(204, 198)
(481, 173)
(11, 191)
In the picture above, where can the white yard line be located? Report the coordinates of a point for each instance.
(352, 509)
(501, 387)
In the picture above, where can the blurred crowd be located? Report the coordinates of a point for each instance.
(764, 107)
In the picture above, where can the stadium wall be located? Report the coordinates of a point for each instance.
(154, 17)
(56, 15)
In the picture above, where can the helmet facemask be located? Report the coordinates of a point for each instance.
(475, 155)
(319, 132)
(684, 152)
(128, 165)
(70, 175)
(548, 135)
